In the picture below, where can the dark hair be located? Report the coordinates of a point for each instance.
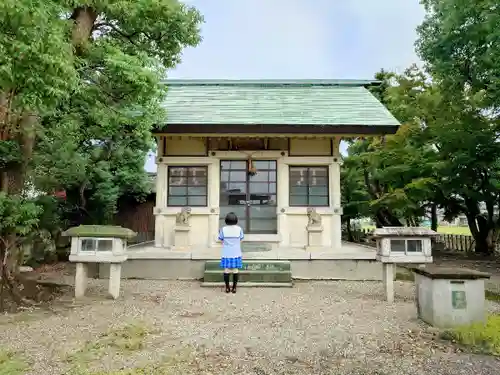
(231, 219)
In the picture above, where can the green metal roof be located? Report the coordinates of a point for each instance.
(276, 102)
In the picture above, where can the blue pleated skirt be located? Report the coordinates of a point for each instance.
(231, 263)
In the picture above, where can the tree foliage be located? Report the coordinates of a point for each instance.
(80, 89)
(459, 42)
(398, 170)
(446, 154)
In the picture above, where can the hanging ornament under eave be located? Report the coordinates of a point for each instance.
(252, 171)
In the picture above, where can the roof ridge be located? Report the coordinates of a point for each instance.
(270, 82)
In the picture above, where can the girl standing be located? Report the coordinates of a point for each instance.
(231, 236)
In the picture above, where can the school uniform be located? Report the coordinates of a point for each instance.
(231, 237)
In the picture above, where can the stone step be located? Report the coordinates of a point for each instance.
(248, 285)
(252, 276)
(253, 246)
(254, 265)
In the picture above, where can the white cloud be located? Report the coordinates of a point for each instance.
(376, 34)
(259, 39)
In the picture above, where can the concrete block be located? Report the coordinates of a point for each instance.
(450, 297)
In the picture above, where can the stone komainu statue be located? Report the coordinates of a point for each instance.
(182, 218)
(314, 217)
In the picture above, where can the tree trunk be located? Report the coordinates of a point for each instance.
(350, 237)
(4, 181)
(9, 275)
(384, 218)
(84, 18)
(484, 234)
(434, 217)
(13, 182)
(484, 243)
(26, 139)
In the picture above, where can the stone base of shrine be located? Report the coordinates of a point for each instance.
(351, 262)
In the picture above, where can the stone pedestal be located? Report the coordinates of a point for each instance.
(115, 271)
(314, 237)
(81, 276)
(450, 297)
(181, 237)
(388, 280)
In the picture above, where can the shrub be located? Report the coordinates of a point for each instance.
(479, 337)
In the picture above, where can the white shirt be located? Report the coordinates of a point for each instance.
(231, 236)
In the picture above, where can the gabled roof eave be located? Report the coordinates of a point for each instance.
(271, 82)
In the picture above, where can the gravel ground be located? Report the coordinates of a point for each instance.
(313, 328)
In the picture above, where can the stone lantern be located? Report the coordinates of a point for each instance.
(401, 245)
(98, 244)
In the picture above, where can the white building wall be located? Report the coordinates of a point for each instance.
(292, 221)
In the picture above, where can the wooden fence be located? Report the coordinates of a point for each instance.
(456, 242)
(138, 217)
(451, 242)
(459, 242)
(359, 236)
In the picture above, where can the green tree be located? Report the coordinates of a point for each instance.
(355, 198)
(80, 89)
(470, 171)
(398, 170)
(458, 40)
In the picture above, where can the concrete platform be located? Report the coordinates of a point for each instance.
(350, 262)
(248, 285)
(347, 251)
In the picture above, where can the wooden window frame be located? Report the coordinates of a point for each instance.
(308, 195)
(406, 240)
(187, 186)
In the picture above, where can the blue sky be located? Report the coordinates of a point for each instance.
(246, 39)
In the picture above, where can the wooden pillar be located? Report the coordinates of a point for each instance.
(161, 202)
(213, 180)
(335, 197)
(282, 200)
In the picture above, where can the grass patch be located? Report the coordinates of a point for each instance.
(454, 230)
(147, 370)
(481, 338)
(179, 363)
(132, 371)
(12, 363)
(125, 339)
(492, 296)
(405, 276)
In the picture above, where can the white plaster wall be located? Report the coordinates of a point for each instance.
(296, 217)
(203, 231)
(297, 222)
(292, 221)
(185, 146)
(311, 147)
